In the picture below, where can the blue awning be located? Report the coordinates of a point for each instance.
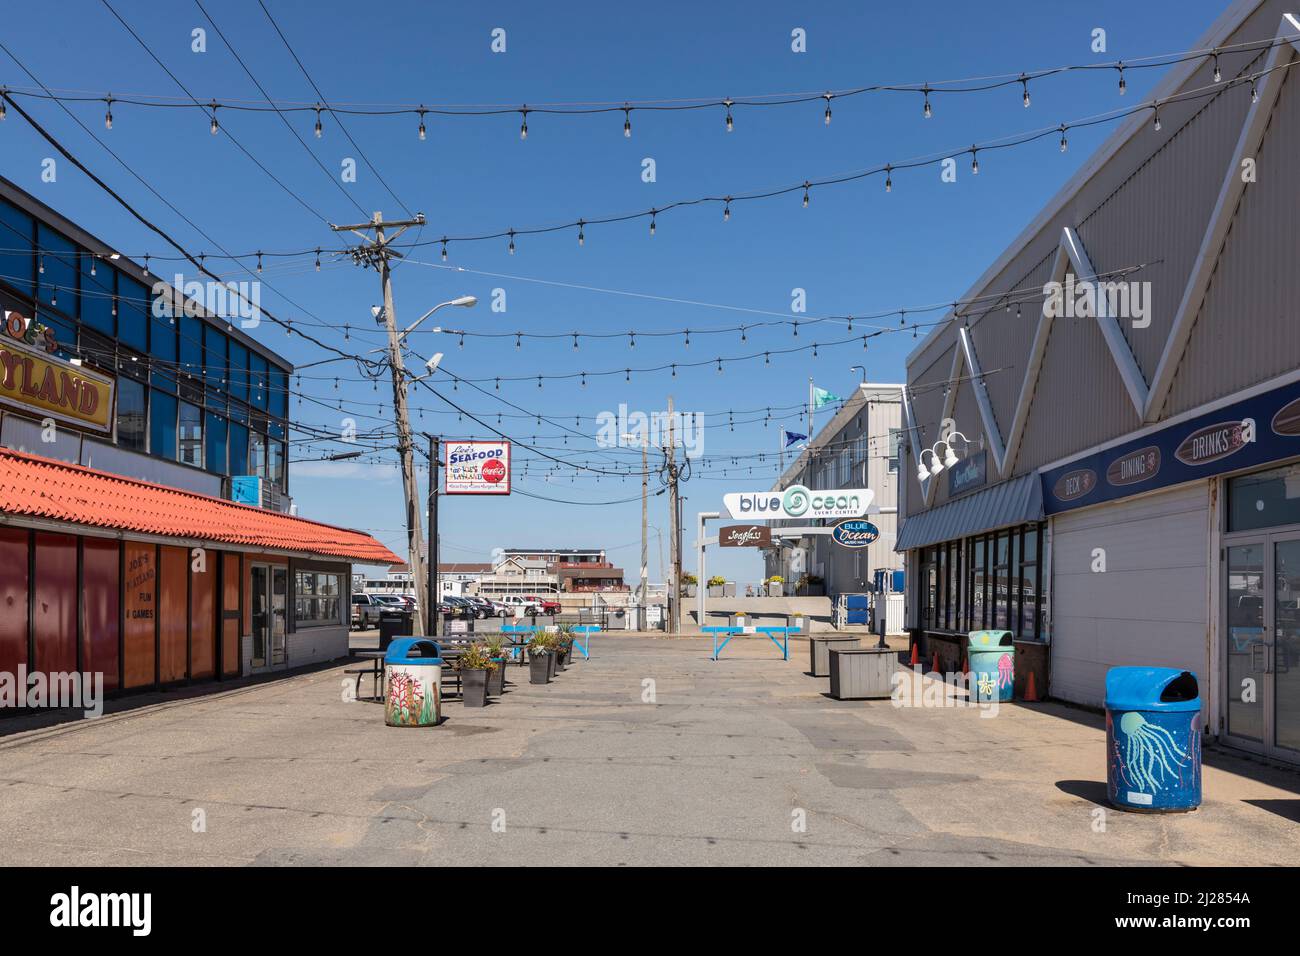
(1004, 505)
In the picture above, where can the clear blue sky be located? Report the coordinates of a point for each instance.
(854, 250)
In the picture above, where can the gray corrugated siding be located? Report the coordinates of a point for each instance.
(1149, 607)
(1152, 201)
(1006, 504)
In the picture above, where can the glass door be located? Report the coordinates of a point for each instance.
(1285, 661)
(1262, 669)
(279, 613)
(260, 612)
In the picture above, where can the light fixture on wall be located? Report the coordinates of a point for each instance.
(950, 457)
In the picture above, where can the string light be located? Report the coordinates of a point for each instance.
(518, 340)
(1123, 87)
(627, 123)
(1156, 124)
(581, 239)
(318, 126)
(974, 162)
(108, 113)
(1254, 92)
(631, 340)
(688, 338)
(1064, 144)
(828, 108)
(421, 131)
(259, 263)
(444, 249)
(889, 182)
(1218, 76)
(805, 193)
(575, 341)
(523, 126)
(512, 242)
(925, 110)
(719, 366)
(214, 127)
(653, 213)
(1024, 84)
(726, 209)
(93, 257)
(3, 108)
(731, 126)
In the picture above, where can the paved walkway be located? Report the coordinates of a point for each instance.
(719, 769)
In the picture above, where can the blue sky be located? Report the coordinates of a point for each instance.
(854, 250)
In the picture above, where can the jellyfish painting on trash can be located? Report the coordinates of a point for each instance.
(1005, 671)
(1148, 757)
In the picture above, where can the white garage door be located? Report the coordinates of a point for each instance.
(1148, 608)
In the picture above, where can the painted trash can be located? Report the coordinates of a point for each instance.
(1153, 739)
(992, 665)
(413, 670)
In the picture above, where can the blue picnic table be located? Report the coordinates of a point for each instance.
(731, 630)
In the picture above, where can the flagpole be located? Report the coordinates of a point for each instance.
(810, 417)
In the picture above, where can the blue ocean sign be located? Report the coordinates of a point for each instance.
(854, 533)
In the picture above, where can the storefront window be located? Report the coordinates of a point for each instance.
(17, 264)
(56, 275)
(191, 435)
(317, 599)
(238, 449)
(131, 415)
(1266, 499)
(978, 583)
(97, 295)
(133, 313)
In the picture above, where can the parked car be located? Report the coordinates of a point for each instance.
(365, 611)
(527, 606)
(482, 606)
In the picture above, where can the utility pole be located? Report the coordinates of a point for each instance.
(376, 252)
(435, 597)
(674, 475)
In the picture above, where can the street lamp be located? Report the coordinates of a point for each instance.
(464, 302)
(645, 553)
(863, 369)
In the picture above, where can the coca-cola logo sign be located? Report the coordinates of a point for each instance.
(1136, 466)
(1214, 442)
(745, 536)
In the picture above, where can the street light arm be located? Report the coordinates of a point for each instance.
(465, 301)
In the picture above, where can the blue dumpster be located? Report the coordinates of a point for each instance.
(1153, 739)
(413, 670)
(992, 665)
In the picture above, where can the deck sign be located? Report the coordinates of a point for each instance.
(1254, 431)
(42, 384)
(477, 468)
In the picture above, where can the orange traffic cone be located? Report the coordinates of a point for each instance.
(1031, 691)
(916, 650)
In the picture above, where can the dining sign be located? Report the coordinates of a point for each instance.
(477, 468)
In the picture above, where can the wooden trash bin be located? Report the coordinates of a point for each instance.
(820, 647)
(862, 673)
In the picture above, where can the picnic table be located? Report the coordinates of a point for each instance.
(449, 649)
(731, 630)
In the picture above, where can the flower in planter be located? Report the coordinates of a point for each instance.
(475, 657)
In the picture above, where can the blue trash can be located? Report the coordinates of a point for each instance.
(992, 665)
(413, 672)
(1153, 739)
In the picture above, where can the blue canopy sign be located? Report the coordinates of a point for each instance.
(854, 533)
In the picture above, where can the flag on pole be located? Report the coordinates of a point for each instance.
(793, 437)
(822, 398)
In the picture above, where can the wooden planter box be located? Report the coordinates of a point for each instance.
(862, 673)
(819, 649)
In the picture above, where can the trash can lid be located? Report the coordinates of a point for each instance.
(1152, 688)
(989, 640)
(413, 650)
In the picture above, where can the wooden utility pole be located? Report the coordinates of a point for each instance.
(675, 528)
(376, 252)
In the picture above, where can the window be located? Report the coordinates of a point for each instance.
(276, 464)
(162, 348)
(17, 264)
(56, 272)
(133, 313)
(895, 435)
(1266, 499)
(978, 583)
(97, 292)
(1001, 579)
(214, 364)
(238, 377)
(191, 345)
(279, 393)
(216, 451)
(162, 425)
(992, 581)
(191, 435)
(257, 381)
(257, 455)
(238, 449)
(131, 414)
(317, 599)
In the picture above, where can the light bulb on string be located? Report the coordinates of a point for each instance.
(631, 340)
(628, 375)
(1254, 92)
(575, 341)
(421, 131)
(498, 384)
(827, 119)
(767, 358)
(581, 238)
(108, 113)
(974, 162)
(1123, 87)
(688, 339)
(719, 366)
(805, 194)
(1218, 76)
(318, 129)
(523, 126)
(519, 336)
(1064, 144)
(653, 213)
(1156, 123)
(214, 127)
(444, 250)
(318, 260)
(1024, 85)
(511, 247)
(627, 122)
(742, 334)
(731, 126)
(889, 182)
(259, 263)
(925, 110)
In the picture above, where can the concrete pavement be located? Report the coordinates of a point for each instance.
(649, 753)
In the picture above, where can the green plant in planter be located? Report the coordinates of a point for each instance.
(688, 578)
(776, 579)
(717, 581)
(495, 647)
(475, 657)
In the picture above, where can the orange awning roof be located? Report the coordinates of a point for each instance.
(36, 487)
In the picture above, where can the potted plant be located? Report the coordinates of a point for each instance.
(474, 665)
(715, 585)
(689, 583)
(539, 659)
(497, 676)
(811, 585)
(564, 644)
(774, 585)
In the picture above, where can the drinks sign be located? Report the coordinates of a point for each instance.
(745, 536)
(477, 468)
